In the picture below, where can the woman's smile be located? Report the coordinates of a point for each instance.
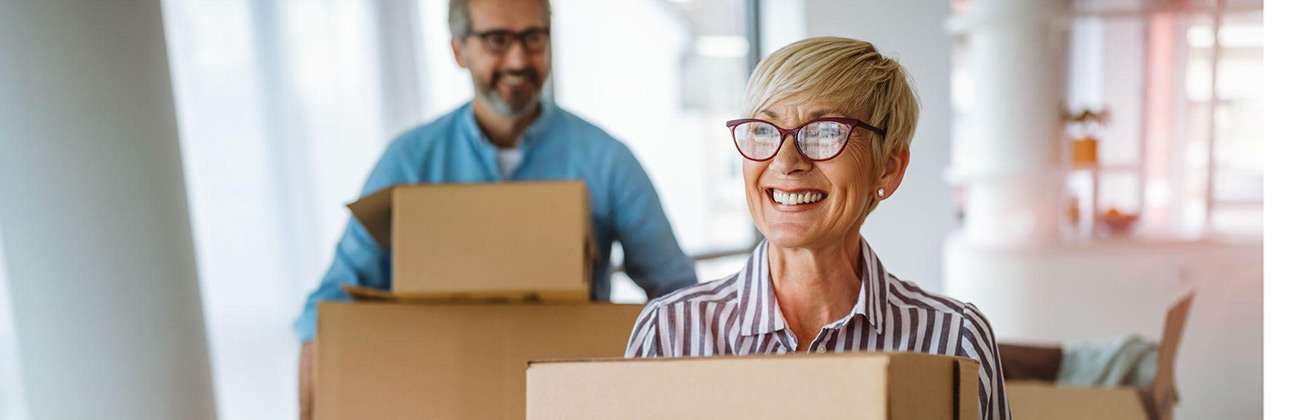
(795, 199)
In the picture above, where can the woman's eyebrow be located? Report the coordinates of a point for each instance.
(811, 116)
(819, 113)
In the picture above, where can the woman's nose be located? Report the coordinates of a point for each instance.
(788, 160)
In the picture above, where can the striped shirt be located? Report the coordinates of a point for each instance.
(739, 315)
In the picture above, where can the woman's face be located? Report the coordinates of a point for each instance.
(845, 184)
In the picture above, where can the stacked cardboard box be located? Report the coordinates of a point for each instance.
(485, 278)
(1044, 400)
(841, 386)
(518, 241)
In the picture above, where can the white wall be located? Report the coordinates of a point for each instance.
(1096, 292)
(97, 245)
(908, 230)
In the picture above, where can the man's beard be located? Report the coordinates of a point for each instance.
(523, 104)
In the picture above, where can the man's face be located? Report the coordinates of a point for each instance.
(509, 81)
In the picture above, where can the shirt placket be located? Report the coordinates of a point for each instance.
(789, 343)
(819, 342)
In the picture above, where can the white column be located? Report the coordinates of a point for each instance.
(1011, 166)
(96, 239)
(909, 228)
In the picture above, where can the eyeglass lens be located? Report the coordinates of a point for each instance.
(500, 41)
(818, 140)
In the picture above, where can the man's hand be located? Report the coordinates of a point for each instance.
(306, 380)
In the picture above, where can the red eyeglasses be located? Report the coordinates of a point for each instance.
(817, 140)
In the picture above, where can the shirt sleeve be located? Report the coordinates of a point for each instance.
(651, 253)
(977, 342)
(644, 341)
(358, 259)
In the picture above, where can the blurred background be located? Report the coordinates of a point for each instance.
(1078, 165)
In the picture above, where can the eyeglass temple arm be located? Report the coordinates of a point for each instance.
(884, 127)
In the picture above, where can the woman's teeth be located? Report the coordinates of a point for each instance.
(791, 199)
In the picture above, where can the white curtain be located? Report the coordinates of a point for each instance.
(12, 404)
(283, 108)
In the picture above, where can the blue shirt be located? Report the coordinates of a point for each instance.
(558, 146)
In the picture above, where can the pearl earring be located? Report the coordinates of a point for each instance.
(880, 193)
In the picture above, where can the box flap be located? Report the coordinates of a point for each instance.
(926, 386)
(1163, 392)
(375, 212)
(968, 383)
(362, 293)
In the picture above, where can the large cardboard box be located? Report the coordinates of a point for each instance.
(1034, 400)
(517, 240)
(397, 361)
(841, 386)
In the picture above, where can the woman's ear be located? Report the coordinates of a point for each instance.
(895, 167)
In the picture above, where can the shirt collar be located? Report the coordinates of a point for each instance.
(486, 151)
(758, 306)
(762, 313)
(876, 287)
(533, 134)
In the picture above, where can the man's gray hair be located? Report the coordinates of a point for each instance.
(458, 16)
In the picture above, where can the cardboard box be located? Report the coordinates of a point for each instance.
(1034, 400)
(857, 386)
(397, 361)
(517, 240)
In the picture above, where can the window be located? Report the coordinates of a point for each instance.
(1188, 167)
(1179, 144)
(1224, 87)
(281, 114)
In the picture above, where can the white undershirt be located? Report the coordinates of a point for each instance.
(508, 160)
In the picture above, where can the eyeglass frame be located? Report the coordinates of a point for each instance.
(513, 37)
(794, 132)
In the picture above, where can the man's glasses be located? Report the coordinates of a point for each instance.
(819, 139)
(499, 41)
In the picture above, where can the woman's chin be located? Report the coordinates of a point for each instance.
(788, 235)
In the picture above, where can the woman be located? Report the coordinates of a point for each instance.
(827, 140)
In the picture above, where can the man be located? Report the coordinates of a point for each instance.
(508, 132)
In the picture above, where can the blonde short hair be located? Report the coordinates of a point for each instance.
(845, 71)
